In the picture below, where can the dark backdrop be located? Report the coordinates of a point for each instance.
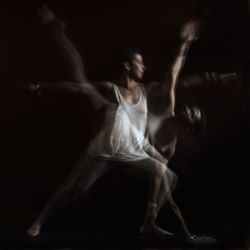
(42, 136)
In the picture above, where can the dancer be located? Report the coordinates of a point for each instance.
(121, 139)
(161, 97)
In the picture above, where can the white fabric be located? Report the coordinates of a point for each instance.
(122, 137)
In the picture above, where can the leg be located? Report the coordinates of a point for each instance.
(162, 183)
(172, 178)
(165, 195)
(178, 215)
(155, 190)
(156, 171)
(86, 172)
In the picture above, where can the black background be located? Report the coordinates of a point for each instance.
(42, 136)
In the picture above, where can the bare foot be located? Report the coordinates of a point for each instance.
(34, 230)
(155, 230)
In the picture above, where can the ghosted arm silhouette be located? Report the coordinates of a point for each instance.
(188, 34)
(86, 88)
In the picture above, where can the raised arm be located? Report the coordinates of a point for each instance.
(56, 28)
(98, 93)
(188, 34)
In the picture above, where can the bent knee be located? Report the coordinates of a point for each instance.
(159, 168)
(172, 178)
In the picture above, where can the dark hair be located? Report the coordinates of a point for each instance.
(127, 55)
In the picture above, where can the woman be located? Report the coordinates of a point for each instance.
(122, 137)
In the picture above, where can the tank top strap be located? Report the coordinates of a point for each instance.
(143, 93)
(117, 94)
(120, 99)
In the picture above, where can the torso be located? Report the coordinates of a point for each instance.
(131, 97)
(123, 131)
(136, 111)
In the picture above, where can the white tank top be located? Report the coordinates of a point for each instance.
(122, 137)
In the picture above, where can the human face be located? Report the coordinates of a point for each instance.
(137, 67)
(190, 116)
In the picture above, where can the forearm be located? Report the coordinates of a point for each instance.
(63, 87)
(184, 47)
(175, 70)
(172, 76)
(154, 153)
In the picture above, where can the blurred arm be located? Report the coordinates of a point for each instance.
(188, 35)
(86, 88)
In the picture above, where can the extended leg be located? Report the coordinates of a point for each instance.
(88, 170)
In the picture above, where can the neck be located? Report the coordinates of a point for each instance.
(126, 81)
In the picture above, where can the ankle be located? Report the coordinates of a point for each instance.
(151, 209)
(149, 221)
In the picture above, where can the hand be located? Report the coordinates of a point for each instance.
(164, 161)
(34, 87)
(192, 114)
(224, 78)
(190, 30)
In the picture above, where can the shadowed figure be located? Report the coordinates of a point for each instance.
(129, 110)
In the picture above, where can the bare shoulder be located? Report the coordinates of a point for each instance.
(105, 88)
(108, 85)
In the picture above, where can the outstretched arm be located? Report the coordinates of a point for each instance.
(86, 88)
(61, 86)
(188, 34)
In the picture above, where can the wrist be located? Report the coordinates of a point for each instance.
(164, 160)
